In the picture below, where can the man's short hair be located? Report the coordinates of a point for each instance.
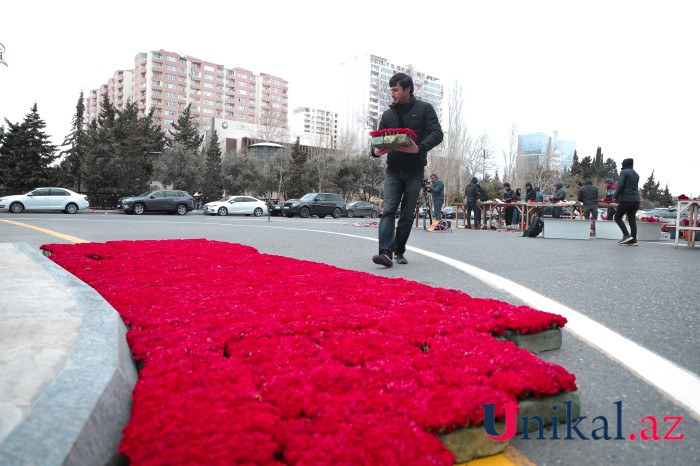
(403, 80)
(433, 174)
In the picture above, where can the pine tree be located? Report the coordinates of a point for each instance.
(74, 142)
(26, 154)
(100, 167)
(297, 184)
(575, 164)
(186, 131)
(213, 181)
(650, 190)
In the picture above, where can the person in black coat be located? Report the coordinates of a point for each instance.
(627, 195)
(508, 196)
(405, 165)
(471, 193)
(588, 196)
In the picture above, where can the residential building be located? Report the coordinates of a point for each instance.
(315, 126)
(366, 92)
(167, 82)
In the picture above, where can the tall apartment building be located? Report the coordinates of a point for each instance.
(366, 79)
(167, 82)
(315, 126)
(538, 148)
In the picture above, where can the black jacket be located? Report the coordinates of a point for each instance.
(437, 190)
(471, 192)
(422, 119)
(588, 194)
(627, 186)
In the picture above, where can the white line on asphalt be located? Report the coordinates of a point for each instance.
(680, 384)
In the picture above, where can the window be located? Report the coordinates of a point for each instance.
(59, 192)
(209, 85)
(209, 76)
(171, 58)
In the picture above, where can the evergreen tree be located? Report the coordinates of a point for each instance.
(650, 190)
(186, 131)
(610, 170)
(180, 167)
(586, 168)
(100, 167)
(665, 197)
(74, 142)
(26, 154)
(575, 164)
(297, 183)
(213, 180)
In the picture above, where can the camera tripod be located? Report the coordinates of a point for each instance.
(427, 199)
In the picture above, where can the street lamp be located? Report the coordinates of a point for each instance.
(374, 126)
(2, 50)
(483, 166)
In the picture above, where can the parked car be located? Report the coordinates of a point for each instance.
(450, 211)
(363, 209)
(275, 209)
(319, 204)
(171, 201)
(666, 213)
(236, 205)
(45, 199)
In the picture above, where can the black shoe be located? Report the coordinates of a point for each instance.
(628, 240)
(400, 259)
(630, 243)
(383, 259)
(624, 238)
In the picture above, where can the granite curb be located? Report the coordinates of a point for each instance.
(68, 405)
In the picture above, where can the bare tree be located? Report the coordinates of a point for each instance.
(448, 160)
(510, 155)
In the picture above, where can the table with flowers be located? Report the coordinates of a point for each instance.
(693, 208)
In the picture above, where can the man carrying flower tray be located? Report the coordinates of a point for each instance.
(408, 129)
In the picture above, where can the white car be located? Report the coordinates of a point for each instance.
(236, 205)
(45, 199)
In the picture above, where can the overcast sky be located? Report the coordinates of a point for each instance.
(622, 75)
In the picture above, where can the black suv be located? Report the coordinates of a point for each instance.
(319, 204)
(171, 201)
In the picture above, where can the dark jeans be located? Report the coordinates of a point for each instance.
(590, 212)
(400, 188)
(509, 214)
(471, 206)
(437, 206)
(629, 208)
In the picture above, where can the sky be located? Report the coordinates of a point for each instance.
(622, 75)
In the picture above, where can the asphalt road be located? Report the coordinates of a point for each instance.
(645, 294)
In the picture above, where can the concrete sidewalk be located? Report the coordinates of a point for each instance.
(66, 373)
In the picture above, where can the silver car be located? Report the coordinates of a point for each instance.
(45, 199)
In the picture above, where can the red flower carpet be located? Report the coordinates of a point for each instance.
(250, 358)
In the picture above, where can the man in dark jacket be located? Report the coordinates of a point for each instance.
(471, 193)
(558, 196)
(437, 192)
(627, 195)
(588, 195)
(403, 179)
(508, 196)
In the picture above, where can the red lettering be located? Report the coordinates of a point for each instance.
(678, 420)
(653, 428)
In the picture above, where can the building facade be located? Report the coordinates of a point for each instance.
(538, 149)
(167, 82)
(315, 126)
(366, 79)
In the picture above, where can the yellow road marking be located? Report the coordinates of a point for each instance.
(509, 457)
(48, 232)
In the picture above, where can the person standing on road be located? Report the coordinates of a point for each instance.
(627, 196)
(588, 196)
(471, 194)
(437, 191)
(508, 196)
(403, 178)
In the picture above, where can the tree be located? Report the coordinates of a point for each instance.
(213, 180)
(180, 166)
(26, 154)
(297, 184)
(650, 190)
(510, 156)
(186, 131)
(74, 143)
